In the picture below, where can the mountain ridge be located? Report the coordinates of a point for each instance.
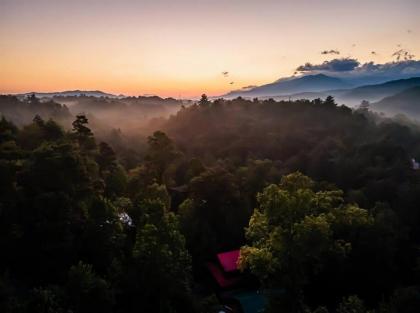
(69, 93)
(307, 83)
(406, 102)
(376, 92)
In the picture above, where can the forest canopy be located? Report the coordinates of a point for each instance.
(322, 201)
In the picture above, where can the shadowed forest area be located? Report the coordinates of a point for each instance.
(98, 216)
(209, 156)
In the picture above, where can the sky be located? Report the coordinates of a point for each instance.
(181, 48)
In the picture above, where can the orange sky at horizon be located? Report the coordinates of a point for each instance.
(180, 48)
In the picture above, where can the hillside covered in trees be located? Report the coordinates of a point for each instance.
(322, 201)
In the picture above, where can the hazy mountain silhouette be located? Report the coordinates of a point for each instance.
(406, 102)
(321, 86)
(70, 93)
(379, 91)
(309, 83)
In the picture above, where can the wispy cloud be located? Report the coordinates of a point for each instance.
(248, 87)
(332, 51)
(403, 54)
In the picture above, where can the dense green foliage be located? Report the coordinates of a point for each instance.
(67, 241)
(322, 199)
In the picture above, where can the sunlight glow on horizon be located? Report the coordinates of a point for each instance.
(180, 48)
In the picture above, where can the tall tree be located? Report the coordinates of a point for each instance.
(293, 232)
(204, 101)
(82, 133)
(161, 154)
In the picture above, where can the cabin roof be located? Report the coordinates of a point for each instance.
(229, 260)
(221, 278)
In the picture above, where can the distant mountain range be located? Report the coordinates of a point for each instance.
(321, 85)
(396, 96)
(309, 83)
(70, 93)
(379, 91)
(406, 102)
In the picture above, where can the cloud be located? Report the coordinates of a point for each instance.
(403, 54)
(330, 52)
(248, 87)
(399, 68)
(336, 65)
(370, 72)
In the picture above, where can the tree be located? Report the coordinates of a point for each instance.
(87, 291)
(213, 216)
(106, 158)
(405, 300)
(293, 232)
(53, 131)
(82, 133)
(352, 304)
(364, 106)
(163, 265)
(32, 135)
(157, 277)
(79, 126)
(46, 300)
(151, 200)
(32, 99)
(112, 173)
(204, 101)
(102, 239)
(329, 101)
(54, 184)
(8, 130)
(160, 155)
(38, 121)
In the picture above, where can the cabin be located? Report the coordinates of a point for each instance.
(224, 270)
(237, 291)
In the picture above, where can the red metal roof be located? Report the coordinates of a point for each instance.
(222, 280)
(229, 260)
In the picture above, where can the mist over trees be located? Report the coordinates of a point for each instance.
(322, 200)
